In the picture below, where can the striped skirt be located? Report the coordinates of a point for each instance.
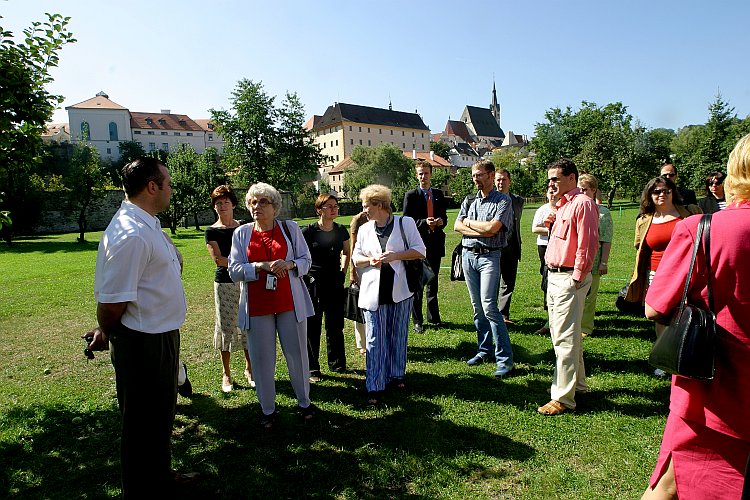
(387, 330)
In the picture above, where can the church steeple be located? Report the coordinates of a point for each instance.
(494, 106)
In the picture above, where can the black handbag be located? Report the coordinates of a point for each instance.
(351, 304)
(627, 307)
(687, 346)
(457, 265)
(418, 271)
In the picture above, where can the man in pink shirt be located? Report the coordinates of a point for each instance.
(574, 236)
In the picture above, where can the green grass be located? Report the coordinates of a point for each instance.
(456, 433)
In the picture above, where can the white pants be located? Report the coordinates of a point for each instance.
(261, 344)
(565, 304)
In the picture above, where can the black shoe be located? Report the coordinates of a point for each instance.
(308, 413)
(268, 421)
(185, 390)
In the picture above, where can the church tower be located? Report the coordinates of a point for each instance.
(494, 106)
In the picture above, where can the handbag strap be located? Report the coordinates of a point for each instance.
(703, 227)
(403, 234)
(707, 253)
(289, 235)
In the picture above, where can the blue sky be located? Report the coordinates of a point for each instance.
(665, 60)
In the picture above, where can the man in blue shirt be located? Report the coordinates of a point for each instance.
(484, 221)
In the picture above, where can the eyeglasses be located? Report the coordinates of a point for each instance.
(658, 191)
(716, 182)
(669, 175)
(330, 207)
(260, 203)
(478, 175)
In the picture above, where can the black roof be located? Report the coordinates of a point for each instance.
(484, 123)
(465, 149)
(364, 114)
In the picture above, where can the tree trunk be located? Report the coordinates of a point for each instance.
(82, 221)
(610, 197)
(195, 219)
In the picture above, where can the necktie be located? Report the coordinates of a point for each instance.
(429, 204)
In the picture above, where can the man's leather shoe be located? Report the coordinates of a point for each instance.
(476, 360)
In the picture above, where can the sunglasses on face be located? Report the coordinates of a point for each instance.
(553, 179)
(716, 182)
(658, 191)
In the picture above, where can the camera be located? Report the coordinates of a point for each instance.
(88, 352)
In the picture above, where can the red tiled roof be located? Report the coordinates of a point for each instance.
(203, 123)
(437, 161)
(312, 122)
(341, 166)
(457, 128)
(163, 121)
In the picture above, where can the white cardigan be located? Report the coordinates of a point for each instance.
(242, 271)
(368, 246)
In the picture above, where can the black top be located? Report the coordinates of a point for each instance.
(387, 274)
(688, 196)
(415, 206)
(223, 237)
(325, 250)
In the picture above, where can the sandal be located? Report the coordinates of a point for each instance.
(268, 421)
(309, 412)
(373, 398)
(553, 408)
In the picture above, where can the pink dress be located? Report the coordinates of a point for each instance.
(707, 434)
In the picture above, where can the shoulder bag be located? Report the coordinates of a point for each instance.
(418, 271)
(687, 346)
(457, 266)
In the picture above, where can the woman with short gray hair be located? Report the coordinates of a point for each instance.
(268, 259)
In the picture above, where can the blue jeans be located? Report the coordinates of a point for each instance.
(483, 281)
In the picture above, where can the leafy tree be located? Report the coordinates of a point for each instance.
(523, 181)
(440, 177)
(441, 149)
(461, 184)
(25, 107)
(384, 164)
(718, 142)
(86, 183)
(295, 155)
(248, 131)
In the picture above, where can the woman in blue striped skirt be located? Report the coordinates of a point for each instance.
(383, 291)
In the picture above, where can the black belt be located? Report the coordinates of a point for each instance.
(559, 269)
(480, 250)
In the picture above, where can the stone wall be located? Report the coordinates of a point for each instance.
(60, 216)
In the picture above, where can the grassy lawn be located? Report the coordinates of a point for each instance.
(456, 433)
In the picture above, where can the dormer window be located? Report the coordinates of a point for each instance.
(211, 126)
(162, 122)
(149, 121)
(182, 122)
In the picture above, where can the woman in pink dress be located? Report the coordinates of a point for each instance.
(706, 441)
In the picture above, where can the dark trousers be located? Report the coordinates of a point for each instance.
(329, 301)
(146, 377)
(433, 311)
(543, 270)
(508, 270)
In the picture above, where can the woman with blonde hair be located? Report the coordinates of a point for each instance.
(382, 245)
(588, 184)
(706, 441)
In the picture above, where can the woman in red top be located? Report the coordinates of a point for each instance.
(268, 259)
(707, 437)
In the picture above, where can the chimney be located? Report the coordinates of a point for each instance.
(413, 154)
(166, 111)
(432, 155)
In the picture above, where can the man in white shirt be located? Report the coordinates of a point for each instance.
(140, 308)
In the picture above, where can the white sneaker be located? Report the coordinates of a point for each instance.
(226, 383)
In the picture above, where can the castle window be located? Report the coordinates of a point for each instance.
(112, 131)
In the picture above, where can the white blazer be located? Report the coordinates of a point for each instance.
(368, 246)
(242, 271)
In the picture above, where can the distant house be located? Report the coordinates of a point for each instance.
(56, 132)
(344, 126)
(213, 140)
(105, 124)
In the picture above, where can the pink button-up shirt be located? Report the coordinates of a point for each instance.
(575, 234)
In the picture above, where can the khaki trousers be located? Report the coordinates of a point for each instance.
(565, 304)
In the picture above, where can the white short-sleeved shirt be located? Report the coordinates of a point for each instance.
(539, 216)
(137, 264)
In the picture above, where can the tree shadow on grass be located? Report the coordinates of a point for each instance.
(43, 245)
(360, 453)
